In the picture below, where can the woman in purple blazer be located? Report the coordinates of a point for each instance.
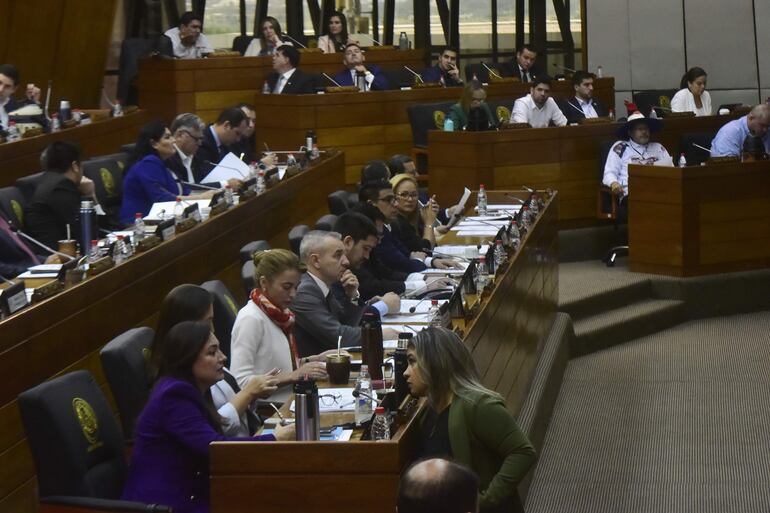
(170, 460)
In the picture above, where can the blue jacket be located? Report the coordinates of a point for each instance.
(380, 83)
(395, 255)
(147, 182)
(434, 75)
(170, 460)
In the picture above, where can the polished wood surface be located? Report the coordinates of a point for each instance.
(375, 125)
(562, 158)
(699, 220)
(168, 87)
(101, 137)
(66, 332)
(61, 40)
(506, 339)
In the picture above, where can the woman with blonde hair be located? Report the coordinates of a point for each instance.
(263, 333)
(415, 223)
(472, 112)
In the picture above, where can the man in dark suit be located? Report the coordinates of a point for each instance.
(582, 105)
(354, 60)
(247, 144)
(523, 65)
(286, 78)
(218, 138)
(9, 83)
(445, 71)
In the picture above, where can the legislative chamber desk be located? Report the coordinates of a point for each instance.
(699, 220)
(168, 87)
(66, 332)
(374, 125)
(506, 338)
(103, 136)
(562, 158)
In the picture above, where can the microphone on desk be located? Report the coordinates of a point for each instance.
(6, 280)
(357, 392)
(331, 79)
(226, 167)
(416, 75)
(515, 198)
(287, 36)
(370, 37)
(15, 229)
(707, 150)
(565, 68)
(436, 254)
(528, 189)
(48, 100)
(413, 308)
(490, 70)
(200, 186)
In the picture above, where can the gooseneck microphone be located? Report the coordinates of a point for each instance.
(565, 68)
(226, 167)
(331, 79)
(413, 308)
(490, 70)
(416, 75)
(515, 198)
(14, 228)
(287, 36)
(357, 392)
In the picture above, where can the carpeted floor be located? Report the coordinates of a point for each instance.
(678, 421)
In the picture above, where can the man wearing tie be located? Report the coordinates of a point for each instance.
(523, 66)
(217, 138)
(286, 78)
(583, 105)
(354, 60)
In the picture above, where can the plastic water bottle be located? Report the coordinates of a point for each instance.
(138, 228)
(481, 201)
(380, 425)
(599, 72)
(178, 211)
(611, 115)
(653, 114)
(403, 42)
(265, 88)
(117, 109)
(93, 254)
(229, 199)
(526, 218)
(449, 125)
(55, 123)
(514, 236)
(534, 205)
(119, 251)
(682, 161)
(261, 187)
(482, 275)
(363, 404)
(13, 132)
(434, 314)
(501, 257)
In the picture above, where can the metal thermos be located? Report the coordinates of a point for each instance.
(87, 226)
(372, 352)
(403, 42)
(400, 363)
(306, 411)
(361, 81)
(65, 112)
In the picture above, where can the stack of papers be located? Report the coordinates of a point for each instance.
(447, 272)
(41, 271)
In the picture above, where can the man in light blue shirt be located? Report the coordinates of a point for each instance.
(729, 140)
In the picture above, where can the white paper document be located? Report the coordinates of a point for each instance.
(165, 209)
(229, 167)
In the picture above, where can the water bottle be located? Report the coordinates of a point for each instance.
(178, 211)
(449, 125)
(309, 138)
(138, 229)
(229, 199)
(534, 205)
(682, 161)
(599, 72)
(261, 187)
(434, 314)
(13, 132)
(93, 254)
(65, 113)
(611, 115)
(501, 257)
(653, 114)
(119, 251)
(403, 42)
(526, 218)
(400, 363)
(363, 404)
(77, 116)
(514, 236)
(372, 352)
(306, 410)
(380, 425)
(117, 109)
(481, 201)
(482, 275)
(265, 88)
(314, 152)
(55, 123)
(87, 225)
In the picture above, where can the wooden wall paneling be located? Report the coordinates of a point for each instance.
(6, 7)
(22, 500)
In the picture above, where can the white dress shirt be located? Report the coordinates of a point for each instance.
(3, 113)
(624, 153)
(282, 80)
(200, 48)
(526, 111)
(187, 163)
(587, 106)
(368, 77)
(684, 101)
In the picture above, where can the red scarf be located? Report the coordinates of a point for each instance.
(284, 319)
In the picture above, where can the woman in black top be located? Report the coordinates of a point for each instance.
(414, 227)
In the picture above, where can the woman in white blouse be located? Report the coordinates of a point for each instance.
(335, 36)
(271, 37)
(263, 333)
(693, 97)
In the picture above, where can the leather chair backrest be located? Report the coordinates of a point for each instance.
(125, 360)
(225, 311)
(128, 149)
(338, 202)
(604, 151)
(326, 222)
(247, 251)
(28, 184)
(107, 174)
(694, 155)
(295, 237)
(398, 78)
(502, 108)
(424, 117)
(131, 50)
(240, 43)
(75, 440)
(646, 100)
(247, 277)
(13, 205)
(481, 72)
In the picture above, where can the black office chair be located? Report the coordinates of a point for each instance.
(398, 78)
(125, 360)
(225, 312)
(502, 109)
(424, 117)
(131, 50)
(247, 251)
(338, 202)
(77, 445)
(128, 149)
(28, 184)
(607, 205)
(247, 277)
(241, 43)
(646, 100)
(107, 176)
(695, 156)
(13, 205)
(295, 237)
(481, 72)
(326, 222)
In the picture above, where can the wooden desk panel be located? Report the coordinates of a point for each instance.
(22, 158)
(506, 339)
(563, 158)
(699, 220)
(66, 332)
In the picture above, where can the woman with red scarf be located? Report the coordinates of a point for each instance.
(263, 334)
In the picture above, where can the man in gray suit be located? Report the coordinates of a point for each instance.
(327, 301)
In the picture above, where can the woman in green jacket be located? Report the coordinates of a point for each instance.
(465, 421)
(472, 106)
